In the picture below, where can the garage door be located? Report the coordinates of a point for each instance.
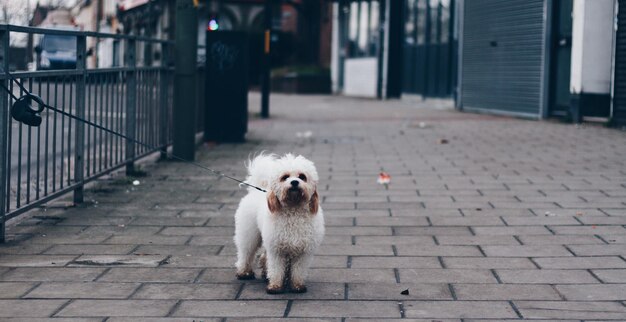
(503, 56)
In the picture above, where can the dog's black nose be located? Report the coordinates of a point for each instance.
(294, 183)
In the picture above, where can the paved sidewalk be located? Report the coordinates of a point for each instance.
(486, 218)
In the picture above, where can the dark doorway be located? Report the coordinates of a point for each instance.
(560, 59)
(429, 48)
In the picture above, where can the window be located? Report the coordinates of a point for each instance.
(363, 28)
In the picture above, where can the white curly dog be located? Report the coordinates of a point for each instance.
(287, 221)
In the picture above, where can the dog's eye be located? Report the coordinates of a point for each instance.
(302, 177)
(285, 177)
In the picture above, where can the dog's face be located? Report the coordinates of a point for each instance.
(293, 185)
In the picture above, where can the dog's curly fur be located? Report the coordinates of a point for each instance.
(287, 221)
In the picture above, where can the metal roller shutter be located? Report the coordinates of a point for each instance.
(503, 56)
(619, 91)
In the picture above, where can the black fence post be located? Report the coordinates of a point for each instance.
(267, 61)
(130, 60)
(186, 53)
(164, 99)
(81, 105)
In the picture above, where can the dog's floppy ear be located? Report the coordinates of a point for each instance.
(314, 203)
(273, 203)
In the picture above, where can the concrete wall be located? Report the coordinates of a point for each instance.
(592, 42)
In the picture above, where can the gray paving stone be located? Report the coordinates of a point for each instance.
(141, 308)
(355, 250)
(316, 291)
(446, 276)
(190, 261)
(35, 260)
(467, 221)
(186, 231)
(90, 249)
(581, 262)
(571, 310)
(354, 275)
(488, 262)
(477, 240)
(395, 262)
(559, 240)
(598, 250)
(133, 260)
(545, 276)
(13, 290)
(178, 250)
(392, 291)
(392, 221)
(150, 275)
(526, 251)
(166, 319)
(171, 291)
(219, 275)
(392, 240)
(169, 221)
(146, 240)
(431, 231)
(370, 309)
(23, 249)
(27, 309)
(52, 274)
(459, 309)
(517, 230)
(541, 221)
(358, 231)
(499, 292)
(283, 319)
(82, 290)
(611, 275)
(594, 292)
(588, 230)
(231, 308)
(427, 250)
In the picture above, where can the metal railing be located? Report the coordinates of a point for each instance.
(41, 163)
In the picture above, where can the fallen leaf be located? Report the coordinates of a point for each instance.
(383, 178)
(405, 292)
(442, 141)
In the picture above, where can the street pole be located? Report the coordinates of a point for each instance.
(267, 61)
(186, 51)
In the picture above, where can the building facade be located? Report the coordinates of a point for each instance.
(386, 48)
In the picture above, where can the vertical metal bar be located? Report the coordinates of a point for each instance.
(437, 75)
(79, 142)
(28, 154)
(87, 111)
(110, 99)
(54, 134)
(62, 154)
(38, 170)
(102, 121)
(46, 143)
(131, 101)
(4, 129)
(69, 132)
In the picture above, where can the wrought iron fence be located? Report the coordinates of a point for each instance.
(60, 156)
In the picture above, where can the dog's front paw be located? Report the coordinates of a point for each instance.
(245, 275)
(298, 288)
(275, 289)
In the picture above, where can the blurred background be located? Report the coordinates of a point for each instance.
(535, 58)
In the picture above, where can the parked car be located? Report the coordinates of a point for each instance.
(56, 51)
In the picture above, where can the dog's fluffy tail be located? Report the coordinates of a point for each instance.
(259, 170)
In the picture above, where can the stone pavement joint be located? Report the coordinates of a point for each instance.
(511, 219)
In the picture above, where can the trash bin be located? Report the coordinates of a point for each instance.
(226, 103)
